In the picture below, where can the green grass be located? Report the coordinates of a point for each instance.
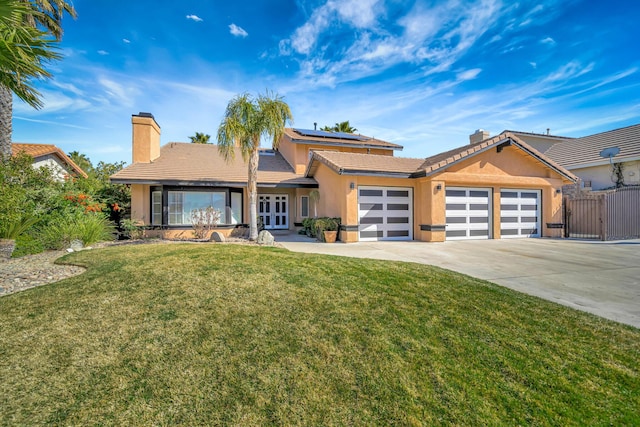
(237, 335)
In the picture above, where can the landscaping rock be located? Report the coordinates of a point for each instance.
(217, 236)
(265, 238)
(76, 245)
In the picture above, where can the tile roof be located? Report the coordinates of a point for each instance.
(585, 151)
(359, 164)
(39, 150)
(368, 143)
(353, 163)
(541, 135)
(188, 164)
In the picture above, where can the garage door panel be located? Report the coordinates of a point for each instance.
(520, 213)
(385, 213)
(467, 213)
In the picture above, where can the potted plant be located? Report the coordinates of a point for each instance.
(327, 229)
(10, 231)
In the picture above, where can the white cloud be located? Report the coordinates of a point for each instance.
(127, 41)
(118, 92)
(237, 31)
(469, 74)
(103, 52)
(533, 65)
(195, 18)
(548, 40)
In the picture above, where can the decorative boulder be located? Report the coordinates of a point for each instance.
(265, 238)
(76, 245)
(217, 236)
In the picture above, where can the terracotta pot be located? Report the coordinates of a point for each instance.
(6, 248)
(330, 236)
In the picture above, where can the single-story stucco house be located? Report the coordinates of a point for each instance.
(49, 156)
(492, 188)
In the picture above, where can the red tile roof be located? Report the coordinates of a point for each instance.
(40, 150)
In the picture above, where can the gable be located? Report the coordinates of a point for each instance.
(509, 161)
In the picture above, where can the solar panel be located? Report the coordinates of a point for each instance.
(332, 135)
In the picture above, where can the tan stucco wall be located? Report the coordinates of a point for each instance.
(487, 170)
(141, 203)
(145, 139)
(297, 154)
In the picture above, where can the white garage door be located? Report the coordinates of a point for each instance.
(467, 213)
(385, 213)
(519, 213)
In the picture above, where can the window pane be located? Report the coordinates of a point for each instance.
(236, 208)
(304, 206)
(182, 203)
(156, 208)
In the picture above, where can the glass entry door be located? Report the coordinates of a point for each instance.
(273, 211)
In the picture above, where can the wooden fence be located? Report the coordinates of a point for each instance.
(610, 215)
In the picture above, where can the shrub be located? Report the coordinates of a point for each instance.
(325, 224)
(132, 229)
(89, 228)
(26, 244)
(203, 220)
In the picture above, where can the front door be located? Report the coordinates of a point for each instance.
(273, 211)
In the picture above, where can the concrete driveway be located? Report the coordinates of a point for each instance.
(602, 278)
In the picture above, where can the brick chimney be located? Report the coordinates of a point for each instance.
(145, 138)
(479, 135)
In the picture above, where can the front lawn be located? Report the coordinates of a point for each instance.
(213, 334)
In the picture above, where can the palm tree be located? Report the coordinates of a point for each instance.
(246, 121)
(341, 127)
(200, 138)
(25, 47)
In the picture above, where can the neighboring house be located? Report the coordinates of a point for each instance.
(494, 188)
(50, 156)
(582, 156)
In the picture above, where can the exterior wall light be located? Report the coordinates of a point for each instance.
(439, 187)
(352, 185)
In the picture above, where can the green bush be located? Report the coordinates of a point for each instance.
(132, 229)
(87, 227)
(314, 227)
(26, 244)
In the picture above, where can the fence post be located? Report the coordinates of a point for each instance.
(603, 216)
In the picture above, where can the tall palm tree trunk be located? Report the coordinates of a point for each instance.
(252, 185)
(6, 113)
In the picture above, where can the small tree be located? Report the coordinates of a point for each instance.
(200, 138)
(341, 127)
(246, 121)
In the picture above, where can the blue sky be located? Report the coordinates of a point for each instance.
(423, 74)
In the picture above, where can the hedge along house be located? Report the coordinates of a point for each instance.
(492, 188)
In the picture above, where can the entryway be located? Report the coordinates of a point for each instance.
(273, 211)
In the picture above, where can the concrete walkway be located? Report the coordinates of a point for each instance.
(602, 278)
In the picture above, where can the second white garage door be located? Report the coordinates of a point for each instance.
(519, 213)
(385, 213)
(467, 213)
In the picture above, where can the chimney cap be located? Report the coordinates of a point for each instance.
(142, 114)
